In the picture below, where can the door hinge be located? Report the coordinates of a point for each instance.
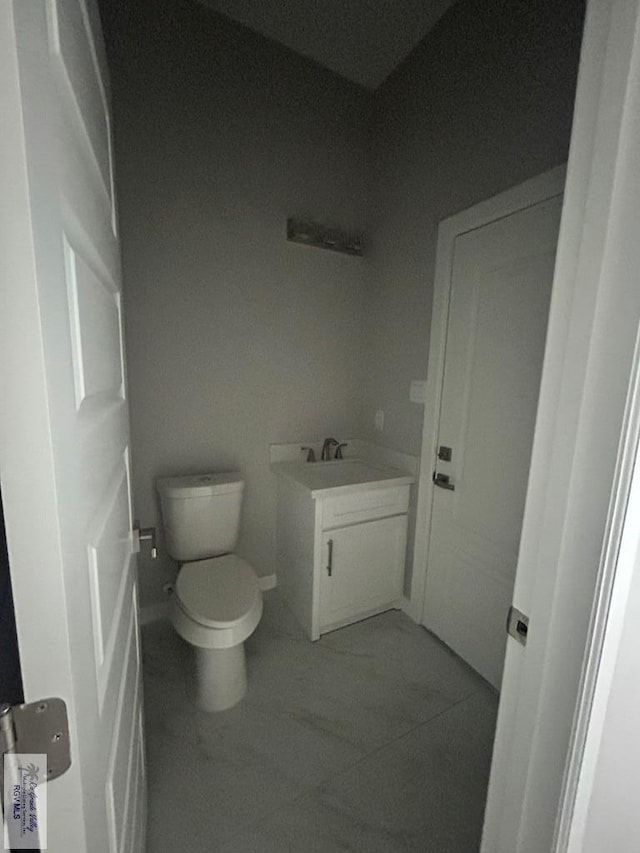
(38, 727)
(517, 625)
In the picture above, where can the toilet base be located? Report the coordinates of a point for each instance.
(218, 677)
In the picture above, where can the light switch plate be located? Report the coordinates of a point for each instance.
(418, 391)
(379, 420)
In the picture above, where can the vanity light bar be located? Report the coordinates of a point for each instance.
(323, 237)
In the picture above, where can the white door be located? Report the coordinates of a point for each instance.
(500, 288)
(64, 437)
(366, 563)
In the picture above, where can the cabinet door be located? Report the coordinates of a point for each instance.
(362, 568)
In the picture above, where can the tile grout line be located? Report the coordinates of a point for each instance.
(334, 776)
(319, 790)
(394, 740)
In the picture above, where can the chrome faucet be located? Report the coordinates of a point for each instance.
(326, 448)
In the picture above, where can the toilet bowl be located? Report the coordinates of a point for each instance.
(217, 602)
(216, 605)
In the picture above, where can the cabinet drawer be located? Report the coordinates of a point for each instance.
(364, 506)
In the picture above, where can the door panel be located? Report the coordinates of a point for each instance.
(75, 322)
(74, 53)
(94, 317)
(109, 554)
(499, 302)
(124, 748)
(367, 562)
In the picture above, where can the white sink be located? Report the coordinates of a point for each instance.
(341, 476)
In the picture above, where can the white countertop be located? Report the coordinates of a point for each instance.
(341, 476)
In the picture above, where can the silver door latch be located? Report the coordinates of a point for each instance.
(442, 481)
(41, 727)
(517, 625)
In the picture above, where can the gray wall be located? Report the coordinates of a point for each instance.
(483, 103)
(235, 338)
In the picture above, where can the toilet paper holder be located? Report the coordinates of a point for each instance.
(144, 534)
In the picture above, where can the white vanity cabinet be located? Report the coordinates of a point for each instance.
(341, 549)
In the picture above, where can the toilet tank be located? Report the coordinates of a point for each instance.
(200, 514)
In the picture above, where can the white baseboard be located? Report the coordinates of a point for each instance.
(160, 610)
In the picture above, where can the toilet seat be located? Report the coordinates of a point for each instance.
(217, 602)
(218, 592)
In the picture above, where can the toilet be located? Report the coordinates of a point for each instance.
(217, 602)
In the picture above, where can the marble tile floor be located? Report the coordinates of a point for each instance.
(375, 738)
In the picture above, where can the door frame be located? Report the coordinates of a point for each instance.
(575, 478)
(548, 185)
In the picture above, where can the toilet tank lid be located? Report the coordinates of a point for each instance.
(200, 485)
